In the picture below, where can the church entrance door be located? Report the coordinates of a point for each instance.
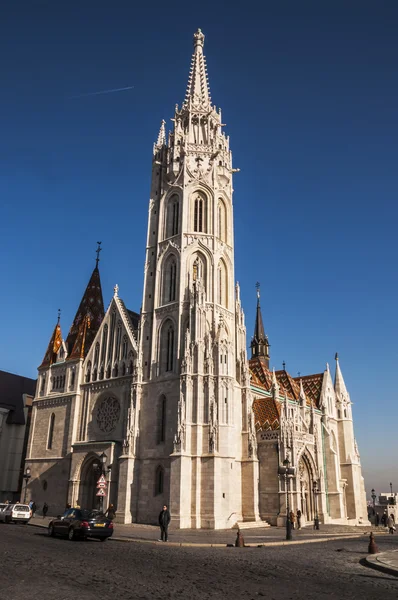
(90, 473)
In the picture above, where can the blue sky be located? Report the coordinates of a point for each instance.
(309, 94)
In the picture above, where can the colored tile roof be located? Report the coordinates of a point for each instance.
(266, 414)
(312, 385)
(87, 319)
(260, 372)
(53, 347)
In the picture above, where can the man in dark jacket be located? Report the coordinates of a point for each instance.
(164, 520)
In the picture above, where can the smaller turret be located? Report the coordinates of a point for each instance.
(259, 344)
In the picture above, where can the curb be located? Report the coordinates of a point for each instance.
(127, 540)
(373, 561)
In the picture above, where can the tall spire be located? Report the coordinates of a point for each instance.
(55, 343)
(339, 384)
(259, 345)
(88, 317)
(161, 141)
(198, 92)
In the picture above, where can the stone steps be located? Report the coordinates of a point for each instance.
(251, 524)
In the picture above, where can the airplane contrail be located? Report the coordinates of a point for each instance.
(130, 87)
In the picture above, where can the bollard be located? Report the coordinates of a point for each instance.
(372, 549)
(239, 542)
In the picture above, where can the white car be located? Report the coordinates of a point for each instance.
(17, 513)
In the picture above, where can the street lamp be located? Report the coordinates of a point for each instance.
(316, 518)
(26, 476)
(374, 505)
(286, 464)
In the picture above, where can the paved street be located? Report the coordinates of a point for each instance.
(35, 566)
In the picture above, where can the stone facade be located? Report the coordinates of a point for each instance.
(167, 395)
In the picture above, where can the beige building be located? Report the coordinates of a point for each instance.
(168, 397)
(16, 396)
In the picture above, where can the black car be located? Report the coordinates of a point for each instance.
(82, 523)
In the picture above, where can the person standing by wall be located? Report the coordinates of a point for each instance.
(45, 509)
(164, 520)
(298, 514)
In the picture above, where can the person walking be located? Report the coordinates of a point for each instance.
(110, 512)
(33, 508)
(298, 514)
(391, 524)
(164, 520)
(377, 520)
(45, 509)
(292, 518)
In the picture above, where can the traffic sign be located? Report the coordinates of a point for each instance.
(101, 492)
(102, 484)
(102, 479)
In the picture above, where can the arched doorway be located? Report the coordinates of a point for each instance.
(89, 474)
(306, 493)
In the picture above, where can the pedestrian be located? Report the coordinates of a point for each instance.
(164, 520)
(110, 512)
(292, 518)
(384, 519)
(377, 520)
(45, 509)
(390, 524)
(33, 508)
(298, 518)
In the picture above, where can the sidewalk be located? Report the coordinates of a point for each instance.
(384, 561)
(269, 536)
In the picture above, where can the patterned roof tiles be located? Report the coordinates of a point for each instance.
(312, 385)
(266, 414)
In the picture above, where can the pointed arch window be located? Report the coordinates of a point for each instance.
(170, 280)
(222, 291)
(88, 373)
(112, 336)
(104, 343)
(118, 340)
(96, 354)
(159, 480)
(172, 216)
(125, 347)
(43, 383)
(162, 419)
(222, 221)
(199, 214)
(51, 432)
(170, 348)
(166, 347)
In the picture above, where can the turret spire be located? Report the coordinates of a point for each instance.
(259, 344)
(55, 343)
(339, 384)
(198, 92)
(161, 141)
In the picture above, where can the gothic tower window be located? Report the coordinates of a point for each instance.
(166, 347)
(159, 481)
(43, 383)
(162, 419)
(72, 379)
(172, 216)
(112, 337)
(170, 280)
(222, 291)
(124, 349)
(222, 221)
(199, 214)
(50, 432)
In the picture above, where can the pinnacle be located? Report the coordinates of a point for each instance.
(198, 91)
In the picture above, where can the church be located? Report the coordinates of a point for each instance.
(165, 402)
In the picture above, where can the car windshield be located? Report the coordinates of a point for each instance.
(88, 513)
(21, 508)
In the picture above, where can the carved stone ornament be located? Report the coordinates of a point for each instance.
(108, 414)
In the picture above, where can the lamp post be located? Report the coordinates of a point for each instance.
(103, 459)
(374, 505)
(316, 518)
(286, 464)
(26, 476)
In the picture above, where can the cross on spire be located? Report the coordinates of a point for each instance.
(98, 253)
(258, 289)
(59, 316)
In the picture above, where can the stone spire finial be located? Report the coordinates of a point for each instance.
(339, 384)
(198, 85)
(161, 141)
(302, 397)
(116, 291)
(259, 345)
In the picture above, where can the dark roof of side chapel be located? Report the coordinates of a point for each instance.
(12, 387)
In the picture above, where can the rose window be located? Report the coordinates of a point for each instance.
(108, 414)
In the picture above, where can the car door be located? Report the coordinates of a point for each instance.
(61, 525)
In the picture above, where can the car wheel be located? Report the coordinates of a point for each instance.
(51, 531)
(102, 539)
(71, 534)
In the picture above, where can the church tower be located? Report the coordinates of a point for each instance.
(197, 444)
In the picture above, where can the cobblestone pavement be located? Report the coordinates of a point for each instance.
(35, 566)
